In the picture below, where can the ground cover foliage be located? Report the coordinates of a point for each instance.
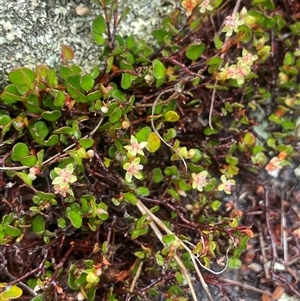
(167, 164)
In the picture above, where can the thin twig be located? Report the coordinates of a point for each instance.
(144, 210)
(136, 277)
(284, 240)
(248, 287)
(157, 221)
(263, 252)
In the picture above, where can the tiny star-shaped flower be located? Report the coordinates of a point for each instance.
(133, 169)
(204, 6)
(135, 147)
(226, 185)
(199, 180)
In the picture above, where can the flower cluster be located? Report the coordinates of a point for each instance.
(190, 5)
(133, 166)
(62, 181)
(199, 180)
(232, 22)
(226, 185)
(240, 70)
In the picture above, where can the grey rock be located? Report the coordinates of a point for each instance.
(32, 31)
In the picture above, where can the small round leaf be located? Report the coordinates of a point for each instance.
(87, 82)
(171, 116)
(159, 70)
(99, 25)
(38, 225)
(194, 51)
(153, 143)
(12, 292)
(19, 151)
(115, 115)
(75, 218)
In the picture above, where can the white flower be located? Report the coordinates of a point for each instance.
(135, 147)
(199, 180)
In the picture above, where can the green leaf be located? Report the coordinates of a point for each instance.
(159, 259)
(38, 225)
(52, 78)
(215, 205)
(197, 155)
(99, 25)
(32, 104)
(274, 118)
(144, 191)
(143, 134)
(208, 131)
(171, 171)
(53, 140)
(95, 96)
(12, 292)
(234, 263)
(65, 72)
(289, 59)
(157, 175)
(115, 115)
(168, 239)
(87, 82)
(130, 198)
(22, 90)
(5, 120)
(215, 60)
(64, 130)
(174, 194)
(92, 278)
(126, 80)
(24, 176)
(139, 254)
(231, 160)
(39, 131)
(153, 143)
(99, 39)
(75, 218)
(218, 42)
(51, 115)
(139, 232)
(171, 116)
(159, 70)
(102, 211)
(19, 151)
(61, 222)
(249, 139)
(67, 53)
(159, 35)
(130, 42)
(29, 160)
(295, 28)
(194, 51)
(59, 99)
(95, 72)
(11, 94)
(46, 196)
(171, 133)
(23, 77)
(12, 231)
(86, 142)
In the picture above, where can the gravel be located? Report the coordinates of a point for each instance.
(32, 31)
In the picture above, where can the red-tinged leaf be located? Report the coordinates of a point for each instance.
(67, 53)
